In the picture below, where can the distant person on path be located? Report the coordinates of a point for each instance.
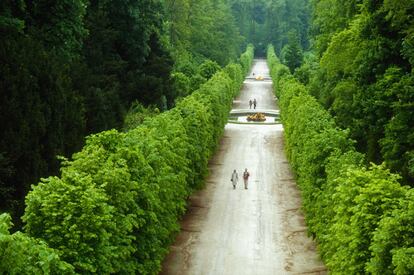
(234, 178)
(246, 176)
(254, 103)
(250, 103)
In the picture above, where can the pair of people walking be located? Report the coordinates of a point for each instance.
(235, 178)
(254, 103)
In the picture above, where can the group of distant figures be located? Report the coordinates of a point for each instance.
(235, 178)
(252, 102)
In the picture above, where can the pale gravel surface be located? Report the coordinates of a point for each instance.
(256, 231)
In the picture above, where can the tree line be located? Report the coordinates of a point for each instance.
(361, 215)
(72, 68)
(361, 70)
(282, 23)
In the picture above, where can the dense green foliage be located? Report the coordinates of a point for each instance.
(246, 59)
(116, 206)
(202, 35)
(38, 105)
(137, 114)
(21, 254)
(363, 74)
(361, 217)
(199, 30)
(72, 68)
(272, 21)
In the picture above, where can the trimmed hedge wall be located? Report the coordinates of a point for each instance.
(21, 254)
(361, 217)
(115, 208)
(246, 59)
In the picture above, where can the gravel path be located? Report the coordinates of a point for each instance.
(256, 231)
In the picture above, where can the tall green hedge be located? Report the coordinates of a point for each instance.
(115, 208)
(21, 254)
(246, 58)
(362, 217)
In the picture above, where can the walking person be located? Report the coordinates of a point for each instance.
(234, 178)
(246, 176)
(250, 103)
(254, 103)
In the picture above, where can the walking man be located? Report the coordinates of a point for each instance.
(254, 103)
(234, 178)
(246, 175)
(250, 103)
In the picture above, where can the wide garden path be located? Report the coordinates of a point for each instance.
(260, 230)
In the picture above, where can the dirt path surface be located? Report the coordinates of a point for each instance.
(260, 230)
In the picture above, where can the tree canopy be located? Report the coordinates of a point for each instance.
(264, 22)
(365, 75)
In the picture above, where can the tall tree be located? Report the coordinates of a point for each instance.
(366, 56)
(292, 54)
(41, 115)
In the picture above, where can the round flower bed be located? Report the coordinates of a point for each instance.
(256, 117)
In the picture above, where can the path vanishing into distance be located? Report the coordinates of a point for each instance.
(260, 230)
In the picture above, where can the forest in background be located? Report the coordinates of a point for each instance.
(282, 23)
(361, 70)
